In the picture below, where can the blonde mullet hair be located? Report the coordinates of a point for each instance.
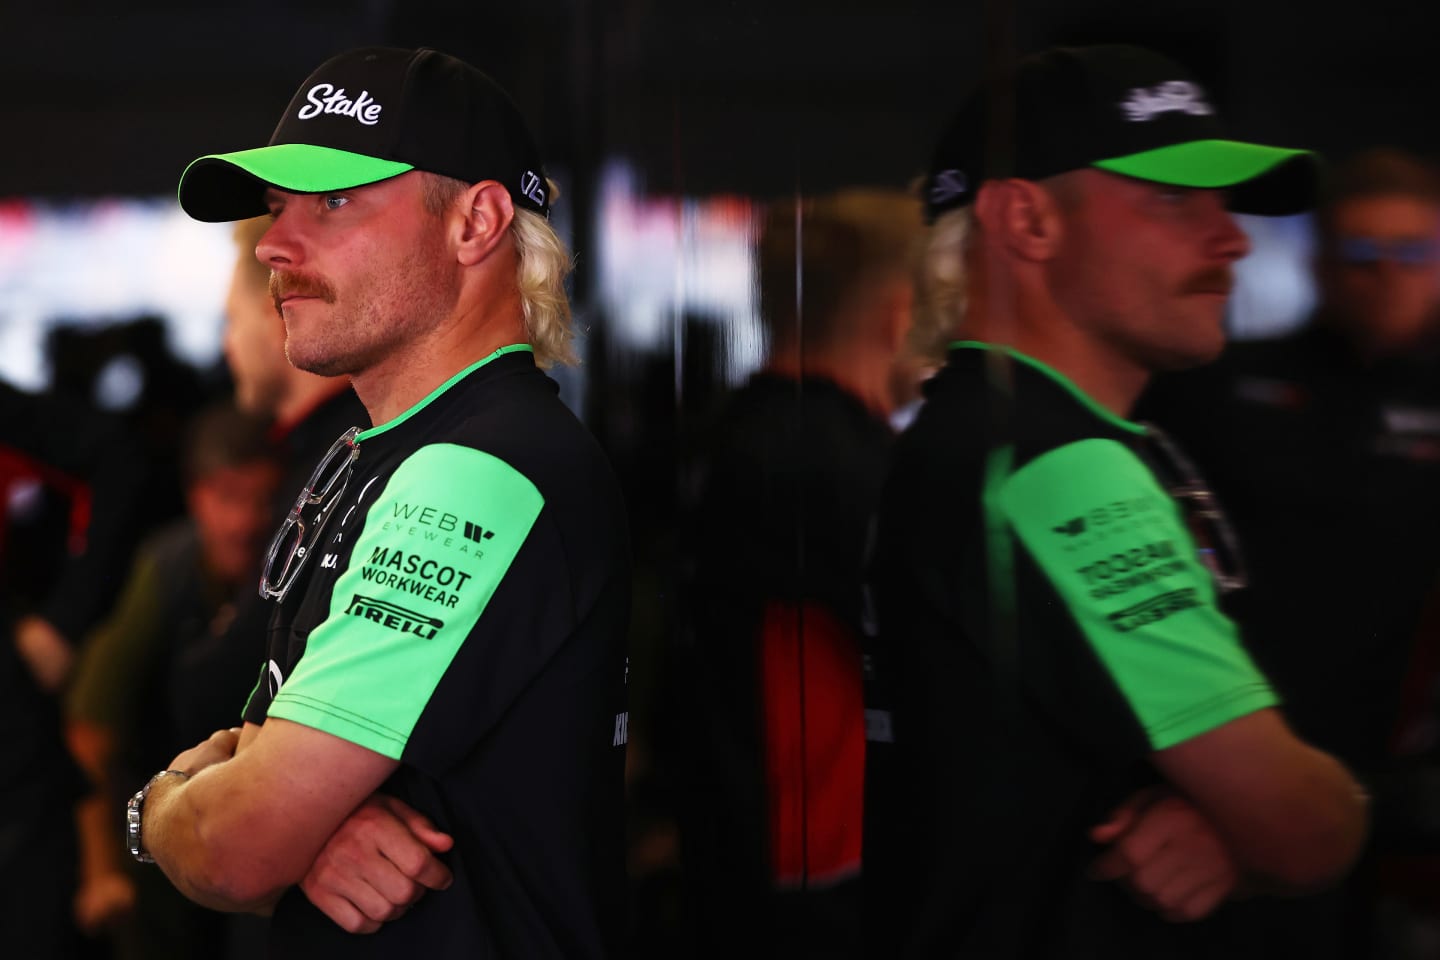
(542, 264)
(942, 291)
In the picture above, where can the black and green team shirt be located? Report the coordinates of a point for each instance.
(465, 614)
(1045, 625)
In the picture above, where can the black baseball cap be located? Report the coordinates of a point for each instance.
(1123, 109)
(371, 114)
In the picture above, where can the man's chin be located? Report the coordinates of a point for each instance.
(314, 362)
(1189, 358)
(327, 368)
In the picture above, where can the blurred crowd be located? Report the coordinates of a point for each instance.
(132, 544)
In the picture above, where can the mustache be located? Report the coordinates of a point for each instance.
(1214, 280)
(284, 285)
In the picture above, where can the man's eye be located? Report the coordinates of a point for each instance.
(334, 201)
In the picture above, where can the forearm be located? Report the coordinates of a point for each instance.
(214, 832)
(101, 848)
(260, 805)
(189, 830)
(1321, 838)
(1293, 815)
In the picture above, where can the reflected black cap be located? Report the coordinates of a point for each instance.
(1123, 109)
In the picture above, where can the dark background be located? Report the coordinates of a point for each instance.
(757, 98)
(752, 96)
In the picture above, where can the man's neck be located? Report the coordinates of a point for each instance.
(1102, 373)
(857, 374)
(408, 375)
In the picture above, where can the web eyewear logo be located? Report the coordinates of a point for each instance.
(1154, 610)
(1106, 521)
(530, 186)
(1178, 96)
(426, 516)
(324, 98)
(473, 531)
(393, 617)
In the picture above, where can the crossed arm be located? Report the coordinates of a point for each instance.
(282, 804)
(1250, 807)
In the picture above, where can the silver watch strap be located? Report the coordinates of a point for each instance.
(135, 812)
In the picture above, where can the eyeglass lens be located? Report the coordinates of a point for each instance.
(301, 530)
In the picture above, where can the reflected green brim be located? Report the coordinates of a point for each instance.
(1270, 180)
(231, 186)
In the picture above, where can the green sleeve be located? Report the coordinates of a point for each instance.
(1114, 546)
(410, 595)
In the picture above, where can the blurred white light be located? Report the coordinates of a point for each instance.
(97, 262)
(1274, 288)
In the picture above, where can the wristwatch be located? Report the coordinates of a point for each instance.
(135, 810)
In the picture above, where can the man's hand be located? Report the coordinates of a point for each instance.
(379, 862)
(102, 900)
(1168, 854)
(217, 749)
(46, 653)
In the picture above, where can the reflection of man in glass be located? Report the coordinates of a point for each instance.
(788, 479)
(1079, 751)
(410, 250)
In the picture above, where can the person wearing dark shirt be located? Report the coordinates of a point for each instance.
(1072, 750)
(59, 580)
(788, 476)
(452, 585)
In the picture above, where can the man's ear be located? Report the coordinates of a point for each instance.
(1022, 216)
(486, 212)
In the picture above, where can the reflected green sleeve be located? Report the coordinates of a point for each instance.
(1114, 546)
(432, 551)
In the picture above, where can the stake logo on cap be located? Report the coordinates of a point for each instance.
(414, 110)
(1122, 109)
(1144, 105)
(324, 98)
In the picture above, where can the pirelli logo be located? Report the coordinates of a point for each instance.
(393, 617)
(1154, 610)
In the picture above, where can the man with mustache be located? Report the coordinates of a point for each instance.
(1070, 749)
(433, 752)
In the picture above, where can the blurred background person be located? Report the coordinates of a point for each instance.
(768, 714)
(1324, 448)
(71, 483)
(135, 674)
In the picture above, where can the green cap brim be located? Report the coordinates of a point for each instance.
(1266, 180)
(231, 186)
